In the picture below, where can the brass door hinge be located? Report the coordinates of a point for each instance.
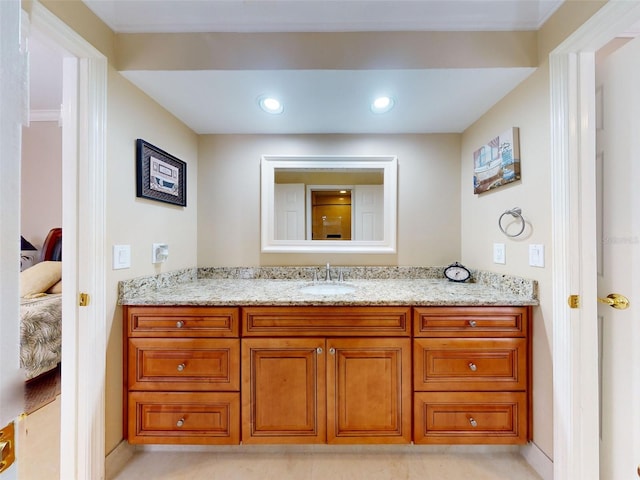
(7, 447)
(84, 299)
(574, 301)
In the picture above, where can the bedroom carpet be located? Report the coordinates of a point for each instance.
(42, 390)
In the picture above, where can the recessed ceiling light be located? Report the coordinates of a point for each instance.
(382, 104)
(270, 105)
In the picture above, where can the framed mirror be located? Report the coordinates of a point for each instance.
(328, 204)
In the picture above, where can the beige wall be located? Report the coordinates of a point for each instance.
(229, 196)
(439, 217)
(41, 181)
(527, 107)
(141, 222)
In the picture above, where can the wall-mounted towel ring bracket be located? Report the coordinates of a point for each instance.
(515, 212)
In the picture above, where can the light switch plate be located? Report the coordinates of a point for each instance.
(536, 255)
(499, 253)
(121, 256)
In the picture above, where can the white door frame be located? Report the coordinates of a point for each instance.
(574, 272)
(83, 221)
(11, 120)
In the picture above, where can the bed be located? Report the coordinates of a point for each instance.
(41, 310)
(40, 334)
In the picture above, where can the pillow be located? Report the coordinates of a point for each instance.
(40, 277)
(56, 288)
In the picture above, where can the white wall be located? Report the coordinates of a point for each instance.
(526, 107)
(141, 222)
(229, 196)
(41, 181)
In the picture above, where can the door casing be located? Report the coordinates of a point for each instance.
(574, 271)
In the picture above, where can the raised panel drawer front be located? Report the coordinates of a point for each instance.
(470, 321)
(326, 321)
(446, 364)
(182, 321)
(470, 418)
(184, 364)
(184, 418)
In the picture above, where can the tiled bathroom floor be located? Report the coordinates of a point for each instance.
(322, 466)
(38, 460)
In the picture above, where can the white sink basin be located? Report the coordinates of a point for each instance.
(327, 289)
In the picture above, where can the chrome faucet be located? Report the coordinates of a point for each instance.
(328, 276)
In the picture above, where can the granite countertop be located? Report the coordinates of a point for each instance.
(205, 287)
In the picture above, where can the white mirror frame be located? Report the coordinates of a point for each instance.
(389, 165)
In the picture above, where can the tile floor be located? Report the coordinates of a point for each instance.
(38, 460)
(320, 466)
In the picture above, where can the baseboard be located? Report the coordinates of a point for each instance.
(538, 460)
(117, 459)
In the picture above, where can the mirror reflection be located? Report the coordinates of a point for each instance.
(328, 204)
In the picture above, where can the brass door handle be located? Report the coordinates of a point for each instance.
(615, 300)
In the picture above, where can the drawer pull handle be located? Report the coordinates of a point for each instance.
(473, 367)
(332, 351)
(179, 324)
(180, 422)
(319, 350)
(473, 422)
(473, 323)
(181, 367)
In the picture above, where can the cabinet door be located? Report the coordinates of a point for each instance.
(283, 391)
(369, 390)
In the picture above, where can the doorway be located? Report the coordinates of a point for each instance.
(575, 243)
(83, 270)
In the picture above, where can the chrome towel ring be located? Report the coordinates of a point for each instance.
(515, 212)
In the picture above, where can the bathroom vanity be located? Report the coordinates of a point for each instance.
(254, 361)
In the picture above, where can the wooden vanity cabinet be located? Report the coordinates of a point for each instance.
(472, 375)
(307, 377)
(181, 375)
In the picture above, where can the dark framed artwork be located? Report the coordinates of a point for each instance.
(159, 175)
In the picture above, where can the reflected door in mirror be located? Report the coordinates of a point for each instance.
(331, 214)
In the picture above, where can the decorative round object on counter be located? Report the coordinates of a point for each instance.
(457, 272)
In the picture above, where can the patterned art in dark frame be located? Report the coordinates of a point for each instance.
(159, 175)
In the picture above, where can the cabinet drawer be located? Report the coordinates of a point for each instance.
(470, 364)
(184, 364)
(326, 321)
(182, 321)
(470, 321)
(184, 418)
(480, 418)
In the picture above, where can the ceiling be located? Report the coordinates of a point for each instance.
(318, 100)
(135, 16)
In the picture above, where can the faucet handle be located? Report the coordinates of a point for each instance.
(340, 276)
(315, 275)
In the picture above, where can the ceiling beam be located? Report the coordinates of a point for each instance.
(325, 51)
